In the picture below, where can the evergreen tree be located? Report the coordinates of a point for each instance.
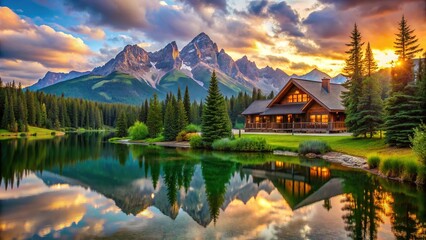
(170, 132)
(215, 119)
(181, 119)
(403, 111)
(154, 120)
(271, 95)
(187, 104)
(370, 108)
(121, 126)
(353, 70)
(370, 64)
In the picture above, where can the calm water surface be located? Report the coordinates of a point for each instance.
(82, 187)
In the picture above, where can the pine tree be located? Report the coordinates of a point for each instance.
(170, 132)
(181, 119)
(353, 70)
(421, 89)
(271, 95)
(370, 109)
(403, 111)
(370, 64)
(187, 104)
(215, 119)
(121, 125)
(154, 120)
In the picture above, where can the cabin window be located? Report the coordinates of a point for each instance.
(289, 118)
(279, 119)
(257, 119)
(297, 97)
(319, 118)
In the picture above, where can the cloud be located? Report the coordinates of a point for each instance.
(286, 17)
(21, 40)
(21, 71)
(257, 8)
(200, 4)
(93, 32)
(118, 14)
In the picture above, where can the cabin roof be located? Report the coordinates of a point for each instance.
(293, 108)
(256, 107)
(331, 100)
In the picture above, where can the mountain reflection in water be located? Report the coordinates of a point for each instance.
(81, 186)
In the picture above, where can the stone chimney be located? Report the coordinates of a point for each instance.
(326, 84)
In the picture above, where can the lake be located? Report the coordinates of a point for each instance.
(80, 186)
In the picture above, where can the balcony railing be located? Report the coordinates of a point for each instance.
(297, 126)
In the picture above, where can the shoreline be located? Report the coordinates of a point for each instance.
(343, 159)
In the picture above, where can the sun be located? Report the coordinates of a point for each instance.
(385, 58)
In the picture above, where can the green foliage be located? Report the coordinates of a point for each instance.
(196, 142)
(354, 70)
(170, 127)
(402, 116)
(406, 170)
(187, 104)
(370, 65)
(215, 119)
(138, 131)
(192, 128)
(241, 145)
(185, 136)
(419, 142)
(370, 109)
(314, 146)
(121, 126)
(154, 120)
(373, 162)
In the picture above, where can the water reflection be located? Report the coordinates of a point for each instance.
(81, 186)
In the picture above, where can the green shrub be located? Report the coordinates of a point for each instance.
(373, 161)
(314, 146)
(196, 142)
(241, 145)
(192, 128)
(22, 134)
(394, 167)
(419, 142)
(421, 175)
(185, 136)
(138, 131)
(410, 170)
(53, 133)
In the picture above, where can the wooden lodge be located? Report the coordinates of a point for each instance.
(300, 106)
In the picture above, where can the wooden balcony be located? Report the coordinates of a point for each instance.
(296, 127)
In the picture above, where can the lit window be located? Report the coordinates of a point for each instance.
(305, 97)
(279, 119)
(257, 119)
(324, 118)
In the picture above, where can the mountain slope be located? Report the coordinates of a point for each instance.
(52, 77)
(115, 87)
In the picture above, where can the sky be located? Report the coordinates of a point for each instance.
(296, 36)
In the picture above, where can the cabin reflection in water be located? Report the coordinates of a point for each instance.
(299, 185)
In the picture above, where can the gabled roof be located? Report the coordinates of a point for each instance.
(331, 100)
(293, 108)
(256, 107)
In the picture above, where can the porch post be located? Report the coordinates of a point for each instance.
(292, 128)
(328, 127)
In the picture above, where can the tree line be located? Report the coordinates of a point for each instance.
(404, 106)
(21, 108)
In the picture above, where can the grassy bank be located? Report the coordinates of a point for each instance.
(33, 133)
(346, 144)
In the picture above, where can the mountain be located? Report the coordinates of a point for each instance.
(315, 75)
(136, 74)
(339, 78)
(52, 77)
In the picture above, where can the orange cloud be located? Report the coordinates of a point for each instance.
(22, 40)
(93, 32)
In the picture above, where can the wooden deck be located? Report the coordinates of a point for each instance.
(296, 127)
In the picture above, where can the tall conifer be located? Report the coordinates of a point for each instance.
(215, 119)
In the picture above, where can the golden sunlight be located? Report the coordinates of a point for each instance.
(385, 57)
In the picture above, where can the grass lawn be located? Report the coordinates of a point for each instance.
(362, 147)
(40, 133)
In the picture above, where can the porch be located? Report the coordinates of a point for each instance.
(322, 127)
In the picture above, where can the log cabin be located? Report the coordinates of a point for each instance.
(301, 106)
